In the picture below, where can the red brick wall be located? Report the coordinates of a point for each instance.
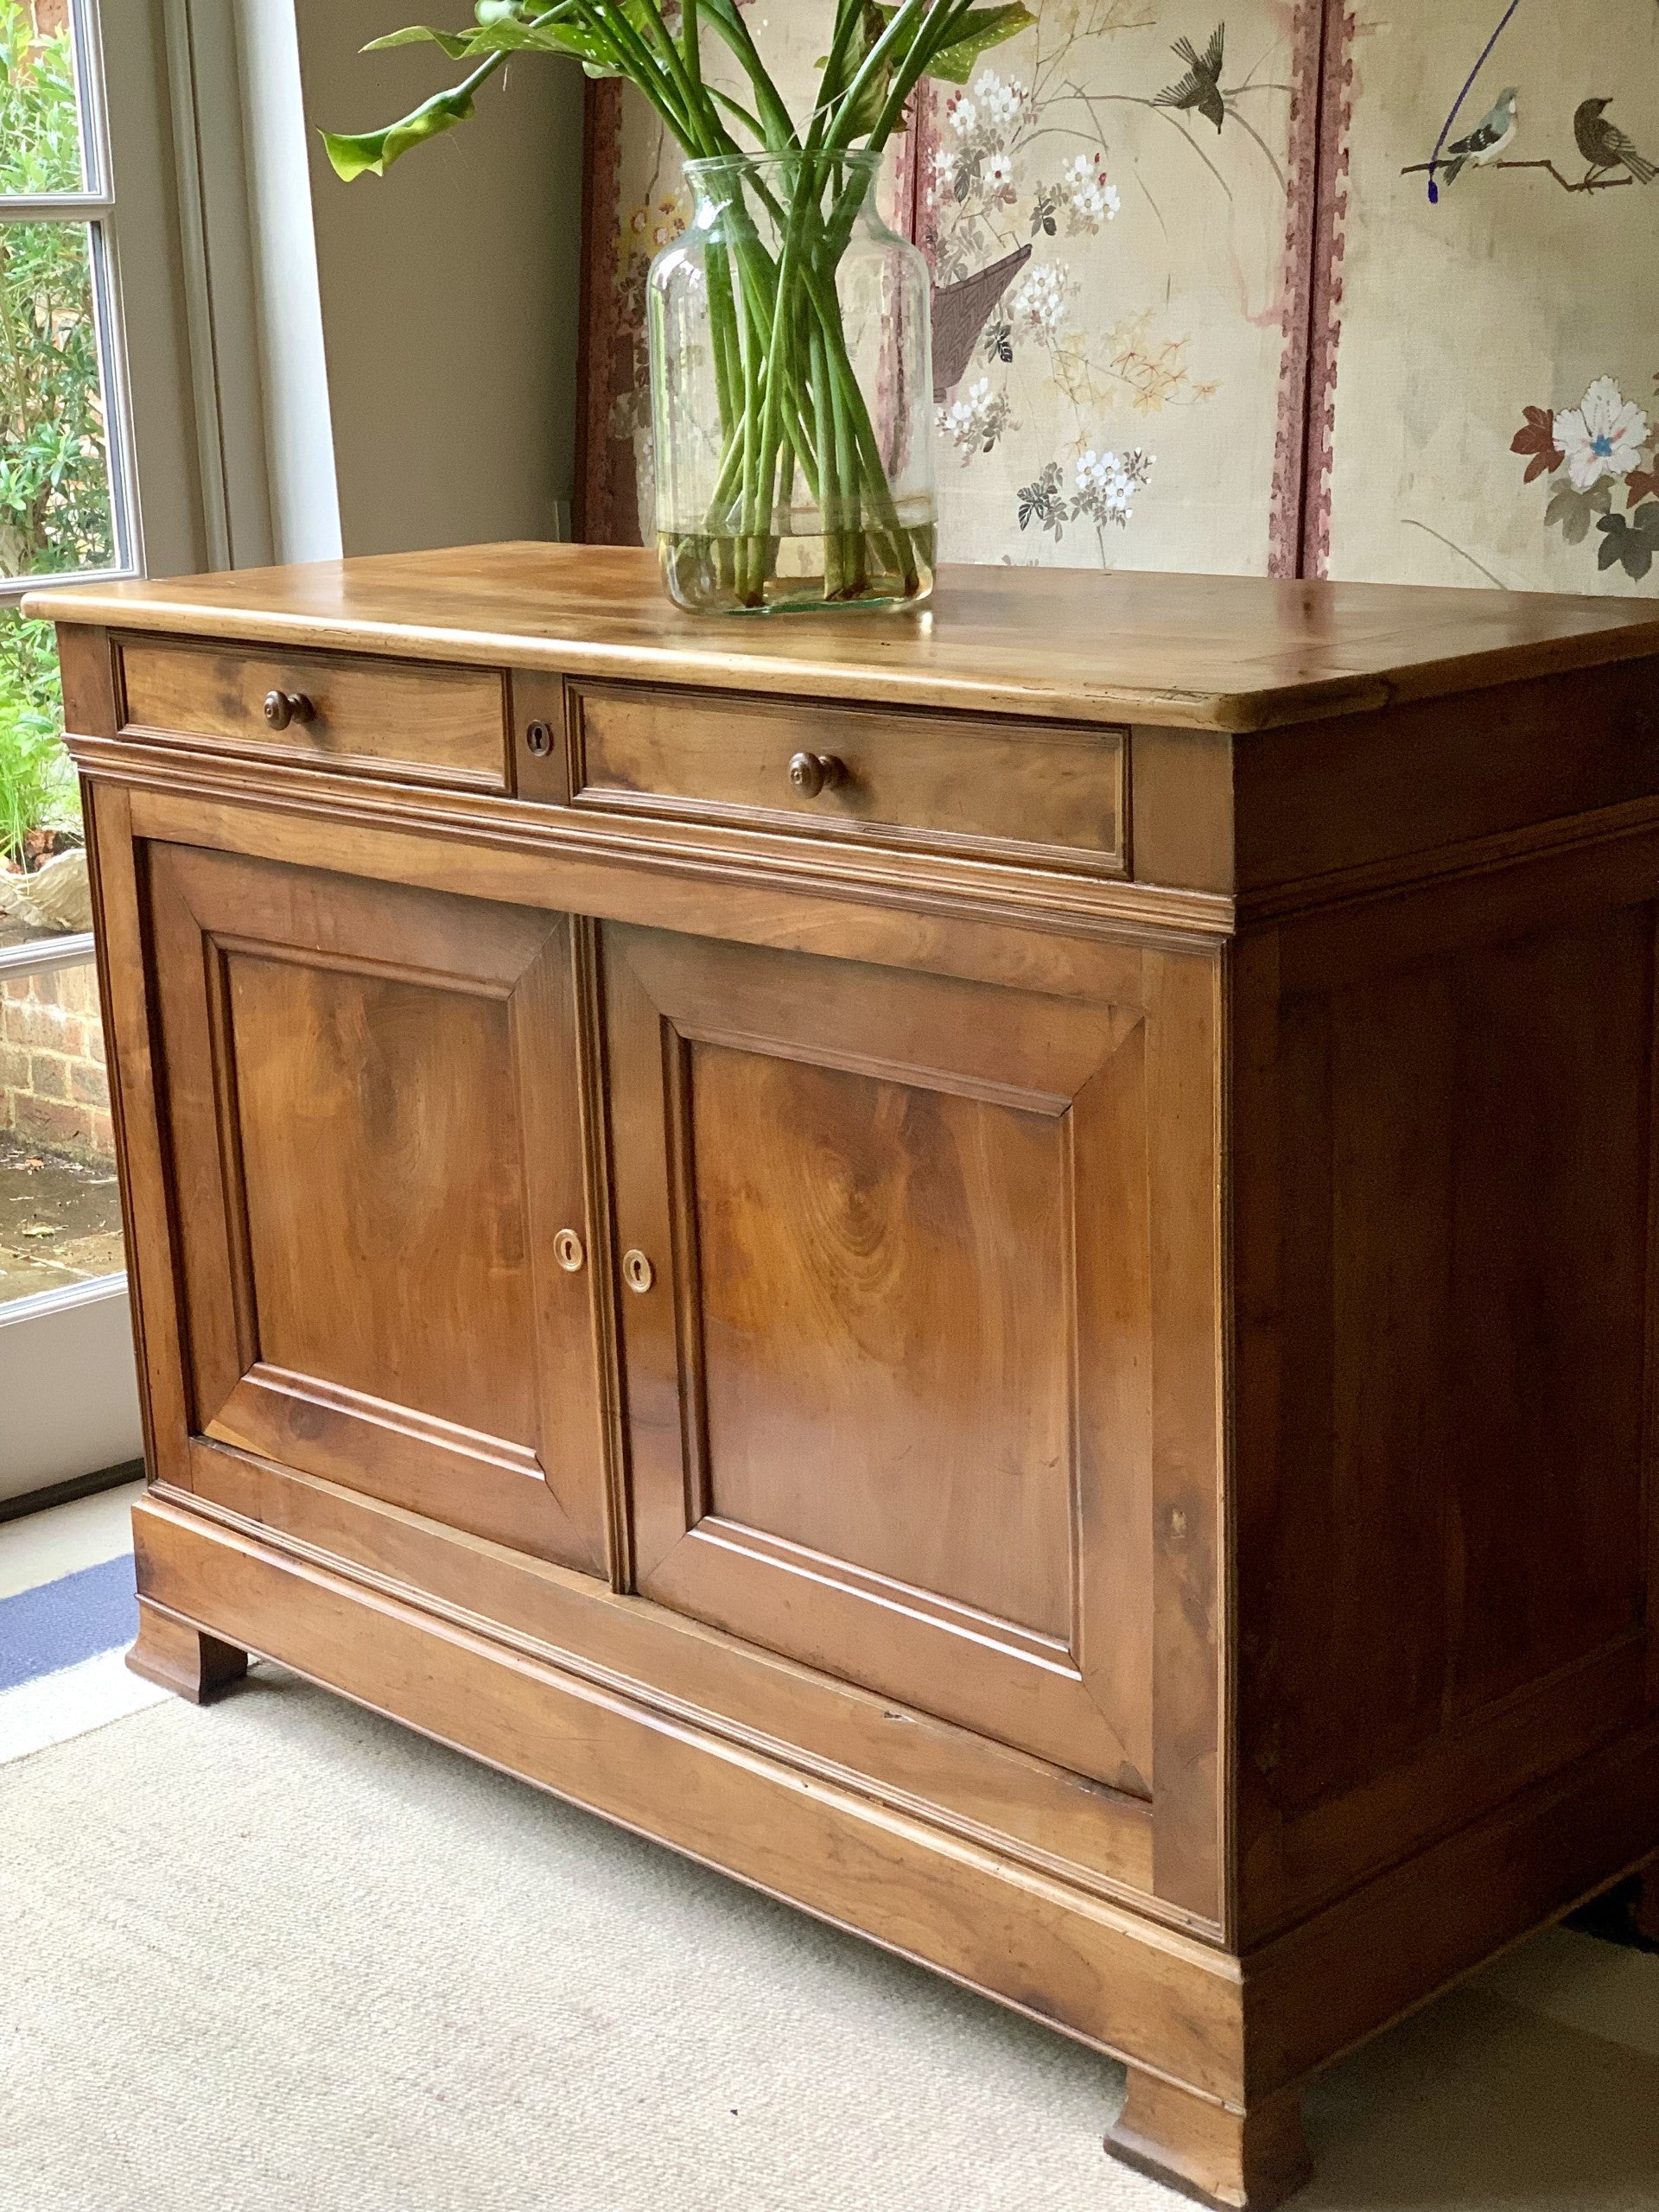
(53, 1087)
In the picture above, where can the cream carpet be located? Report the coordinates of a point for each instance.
(280, 1956)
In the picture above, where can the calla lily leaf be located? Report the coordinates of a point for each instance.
(371, 153)
(984, 28)
(508, 36)
(456, 44)
(865, 112)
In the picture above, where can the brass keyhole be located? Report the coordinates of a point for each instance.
(637, 1271)
(567, 1250)
(538, 739)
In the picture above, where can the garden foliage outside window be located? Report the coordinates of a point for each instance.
(61, 512)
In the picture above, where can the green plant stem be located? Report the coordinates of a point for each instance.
(691, 40)
(899, 34)
(779, 134)
(811, 412)
(950, 16)
(699, 108)
(786, 389)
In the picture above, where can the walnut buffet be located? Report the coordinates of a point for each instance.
(996, 1268)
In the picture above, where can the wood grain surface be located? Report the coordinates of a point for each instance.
(1213, 652)
(1099, 1426)
(958, 783)
(443, 724)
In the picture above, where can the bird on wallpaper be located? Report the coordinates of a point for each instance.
(1486, 141)
(1200, 91)
(1604, 146)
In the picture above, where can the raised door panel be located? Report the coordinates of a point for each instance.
(374, 1107)
(893, 1406)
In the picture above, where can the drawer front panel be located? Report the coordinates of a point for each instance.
(952, 781)
(446, 725)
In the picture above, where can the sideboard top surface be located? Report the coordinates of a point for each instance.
(1235, 653)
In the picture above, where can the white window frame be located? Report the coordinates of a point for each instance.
(94, 207)
(220, 455)
(67, 1378)
(68, 1381)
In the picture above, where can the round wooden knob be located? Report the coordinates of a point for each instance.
(567, 1250)
(637, 1271)
(283, 708)
(812, 773)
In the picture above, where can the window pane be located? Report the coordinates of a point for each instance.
(40, 806)
(59, 1206)
(40, 115)
(56, 510)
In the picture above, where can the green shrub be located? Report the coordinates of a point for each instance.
(37, 784)
(56, 513)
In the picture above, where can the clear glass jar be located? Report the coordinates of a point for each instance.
(792, 388)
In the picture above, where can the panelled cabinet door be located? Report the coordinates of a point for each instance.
(887, 1247)
(373, 1108)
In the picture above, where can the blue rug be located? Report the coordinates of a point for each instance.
(59, 1624)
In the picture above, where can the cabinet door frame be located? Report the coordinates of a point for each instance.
(1134, 1697)
(205, 909)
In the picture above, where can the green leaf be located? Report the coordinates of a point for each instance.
(1572, 511)
(865, 112)
(500, 30)
(371, 153)
(1630, 541)
(456, 44)
(509, 35)
(984, 28)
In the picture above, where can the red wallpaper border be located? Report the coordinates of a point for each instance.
(593, 519)
(1325, 311)
(1287, 514)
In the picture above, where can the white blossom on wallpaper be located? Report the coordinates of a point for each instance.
(1498, 283)
(1605, 446)
(1068, 191)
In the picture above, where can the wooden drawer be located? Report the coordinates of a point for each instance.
(1054, 792)
(374, 717)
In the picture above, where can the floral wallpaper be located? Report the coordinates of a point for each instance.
(1105, 207)
(1493, 356)
(1118, 183)
(1311, 287)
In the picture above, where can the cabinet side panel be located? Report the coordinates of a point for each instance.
(1442, 1269)
(1373, 790)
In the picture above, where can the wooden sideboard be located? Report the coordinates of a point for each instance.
(994, 1267)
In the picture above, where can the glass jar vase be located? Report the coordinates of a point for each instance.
(791, 389)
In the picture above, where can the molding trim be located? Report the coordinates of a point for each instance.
(903, 881)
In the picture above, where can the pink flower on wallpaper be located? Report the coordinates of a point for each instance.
(1603, 436)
